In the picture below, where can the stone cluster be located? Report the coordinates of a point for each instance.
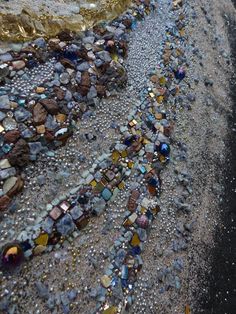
(47, 87)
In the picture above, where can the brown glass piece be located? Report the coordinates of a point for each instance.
(82, 222)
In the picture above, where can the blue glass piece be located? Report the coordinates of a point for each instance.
(151, 117)
(129, 140)
(106, 194)
(134, 25)
(180, 74)
(124, 272)
(25, 246)
(149, 214)
(31, 64)
(153, 182)
(124, 283)
(6, 148)
(71, 55)
(136, 250)
(164, 149)
(21, 102)
(142, 169)
(114, 281)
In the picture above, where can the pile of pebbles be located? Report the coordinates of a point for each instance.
(48, 86)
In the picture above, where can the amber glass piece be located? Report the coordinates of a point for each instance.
(135, 241)
(124, 154)
(162, 80)
(42, 239)
(93, 183)
(160, 99)
(130, 164)
(152, 190)
(110, 310)
(156, 210)
(61, 117)
(115, 156)
(82, 222)
(40, 129)
(187, 309)
(40, 90)
(121, 185)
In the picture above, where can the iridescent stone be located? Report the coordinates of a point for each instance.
(180, 74)
(12, 255)
(142, 221)
(164, 149)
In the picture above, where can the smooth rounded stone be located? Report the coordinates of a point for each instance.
(120, 256)
(2, 115)
(51, 123)
(65, 225)
(6, 57)
(47, 225)
(4, 102)
(84, 66)
(118, 32)
(40, 42)
(4, 164)
(41, 179)
(72, 294)
(142, 234)
(18, 65)
(27, 133)
(65, 78)
(16, 47)
(51, 302)
(68, 96)
(55, 202)
(88, 40)
(9, 184)
(178, 264)
(22, 114)
(59, 67)
(4, 71)
(162, 138)
(35, 148)
(78, 76)
(92, 93)
(42, 290)
(9, 124)
(191, 97)
(98, 62)
(104, 56)
(6, 173)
